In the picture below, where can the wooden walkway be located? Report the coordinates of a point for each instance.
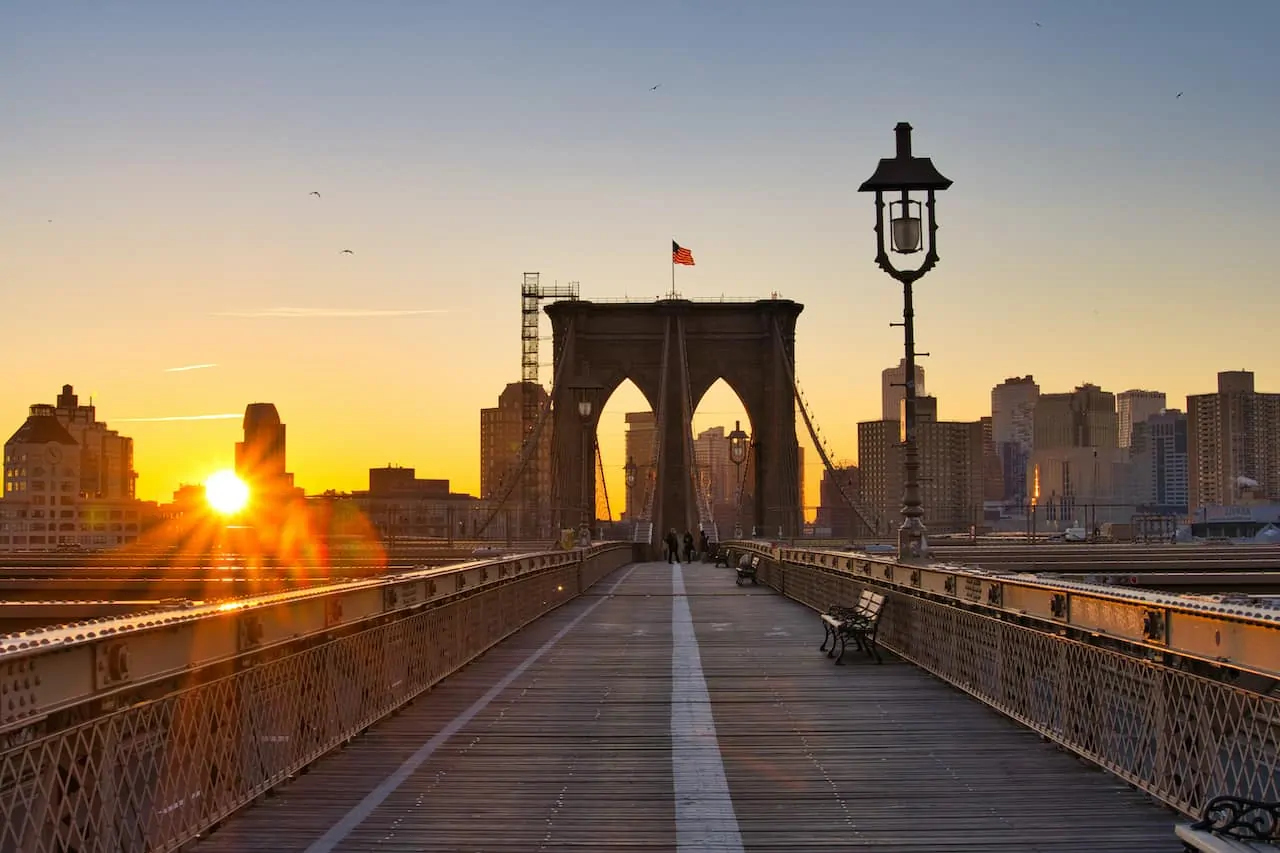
(591, 730)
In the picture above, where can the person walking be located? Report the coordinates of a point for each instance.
(704, 545)
(673, 546)
(688, 546)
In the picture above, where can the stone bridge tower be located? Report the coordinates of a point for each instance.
(674, 350)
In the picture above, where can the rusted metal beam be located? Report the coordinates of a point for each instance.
(1237, 635)
(50, 669)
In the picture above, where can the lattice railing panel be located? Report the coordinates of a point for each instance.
(152, 776)
(1182, 737)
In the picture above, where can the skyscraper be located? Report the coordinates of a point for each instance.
(501, 440)
(1159, 459)
(834, 512)
(1076, 461)
(1133, 407)
(951, 471)
(103, 458)
(1013, 406)
(260, 458)
(638, 441)
(891, 391)
(1233, 439)
(69, 480)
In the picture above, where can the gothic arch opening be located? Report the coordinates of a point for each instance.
(624, 431)
(674, 351)
(725, 490)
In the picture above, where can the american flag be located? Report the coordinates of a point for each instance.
(680, 255)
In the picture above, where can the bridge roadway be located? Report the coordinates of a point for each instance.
(669, 709)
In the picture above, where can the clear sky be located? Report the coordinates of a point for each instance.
(156, 162)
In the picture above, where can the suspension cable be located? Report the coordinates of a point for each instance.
(691, 447)
(531, 441)
(836, 476)
(604, 485)
(651, 483)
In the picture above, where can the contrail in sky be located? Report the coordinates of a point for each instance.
(308, 313)
(221, 417)
(188, 367)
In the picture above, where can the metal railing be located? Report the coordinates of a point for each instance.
(1176, 697)
(138, 734)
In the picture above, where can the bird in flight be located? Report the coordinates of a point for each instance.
(346, 252)
(1037, 23)
(314, 193)
(1179, 95)
(652, 88)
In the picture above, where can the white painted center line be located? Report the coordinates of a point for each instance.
(361, 810)
(705, 819)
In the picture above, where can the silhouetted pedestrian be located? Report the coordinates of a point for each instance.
(688, 547)
(673, 546)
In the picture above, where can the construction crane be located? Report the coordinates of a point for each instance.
(531, 295)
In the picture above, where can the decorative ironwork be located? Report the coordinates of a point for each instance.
(1153, 625)
(152, 775)
(1175, 734)
(1248, 820)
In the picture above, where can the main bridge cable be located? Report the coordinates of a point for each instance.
(836, 476)
(651, 486)
(686, 402)
(532, 442)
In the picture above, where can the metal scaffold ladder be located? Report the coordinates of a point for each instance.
(532, 292)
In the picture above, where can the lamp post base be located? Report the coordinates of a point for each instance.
(912, 544)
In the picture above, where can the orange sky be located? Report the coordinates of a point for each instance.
(157, 210)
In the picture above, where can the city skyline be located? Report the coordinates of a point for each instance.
(720, 407)
(161, 191)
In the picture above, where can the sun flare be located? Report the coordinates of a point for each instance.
(226, 492)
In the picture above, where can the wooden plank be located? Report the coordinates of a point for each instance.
(576, 752)
(826, 757)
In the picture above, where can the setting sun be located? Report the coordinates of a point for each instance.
(226, 492)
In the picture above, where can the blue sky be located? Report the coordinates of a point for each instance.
(1099, 228)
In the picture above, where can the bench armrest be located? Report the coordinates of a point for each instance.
(1247, 820)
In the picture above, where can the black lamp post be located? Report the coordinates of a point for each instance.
(585, 392)
(738, 442)
(902, 176)
(629, 471)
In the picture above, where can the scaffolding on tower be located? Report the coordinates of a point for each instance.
(531, 295)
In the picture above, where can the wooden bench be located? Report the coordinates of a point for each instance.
(1233, 825)
(858, 623)
(748, 572)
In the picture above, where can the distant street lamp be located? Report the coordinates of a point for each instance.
(738, 441)
(585, 391)
(629, 471)
(903, 175)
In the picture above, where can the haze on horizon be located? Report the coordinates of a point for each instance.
(157, 213)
